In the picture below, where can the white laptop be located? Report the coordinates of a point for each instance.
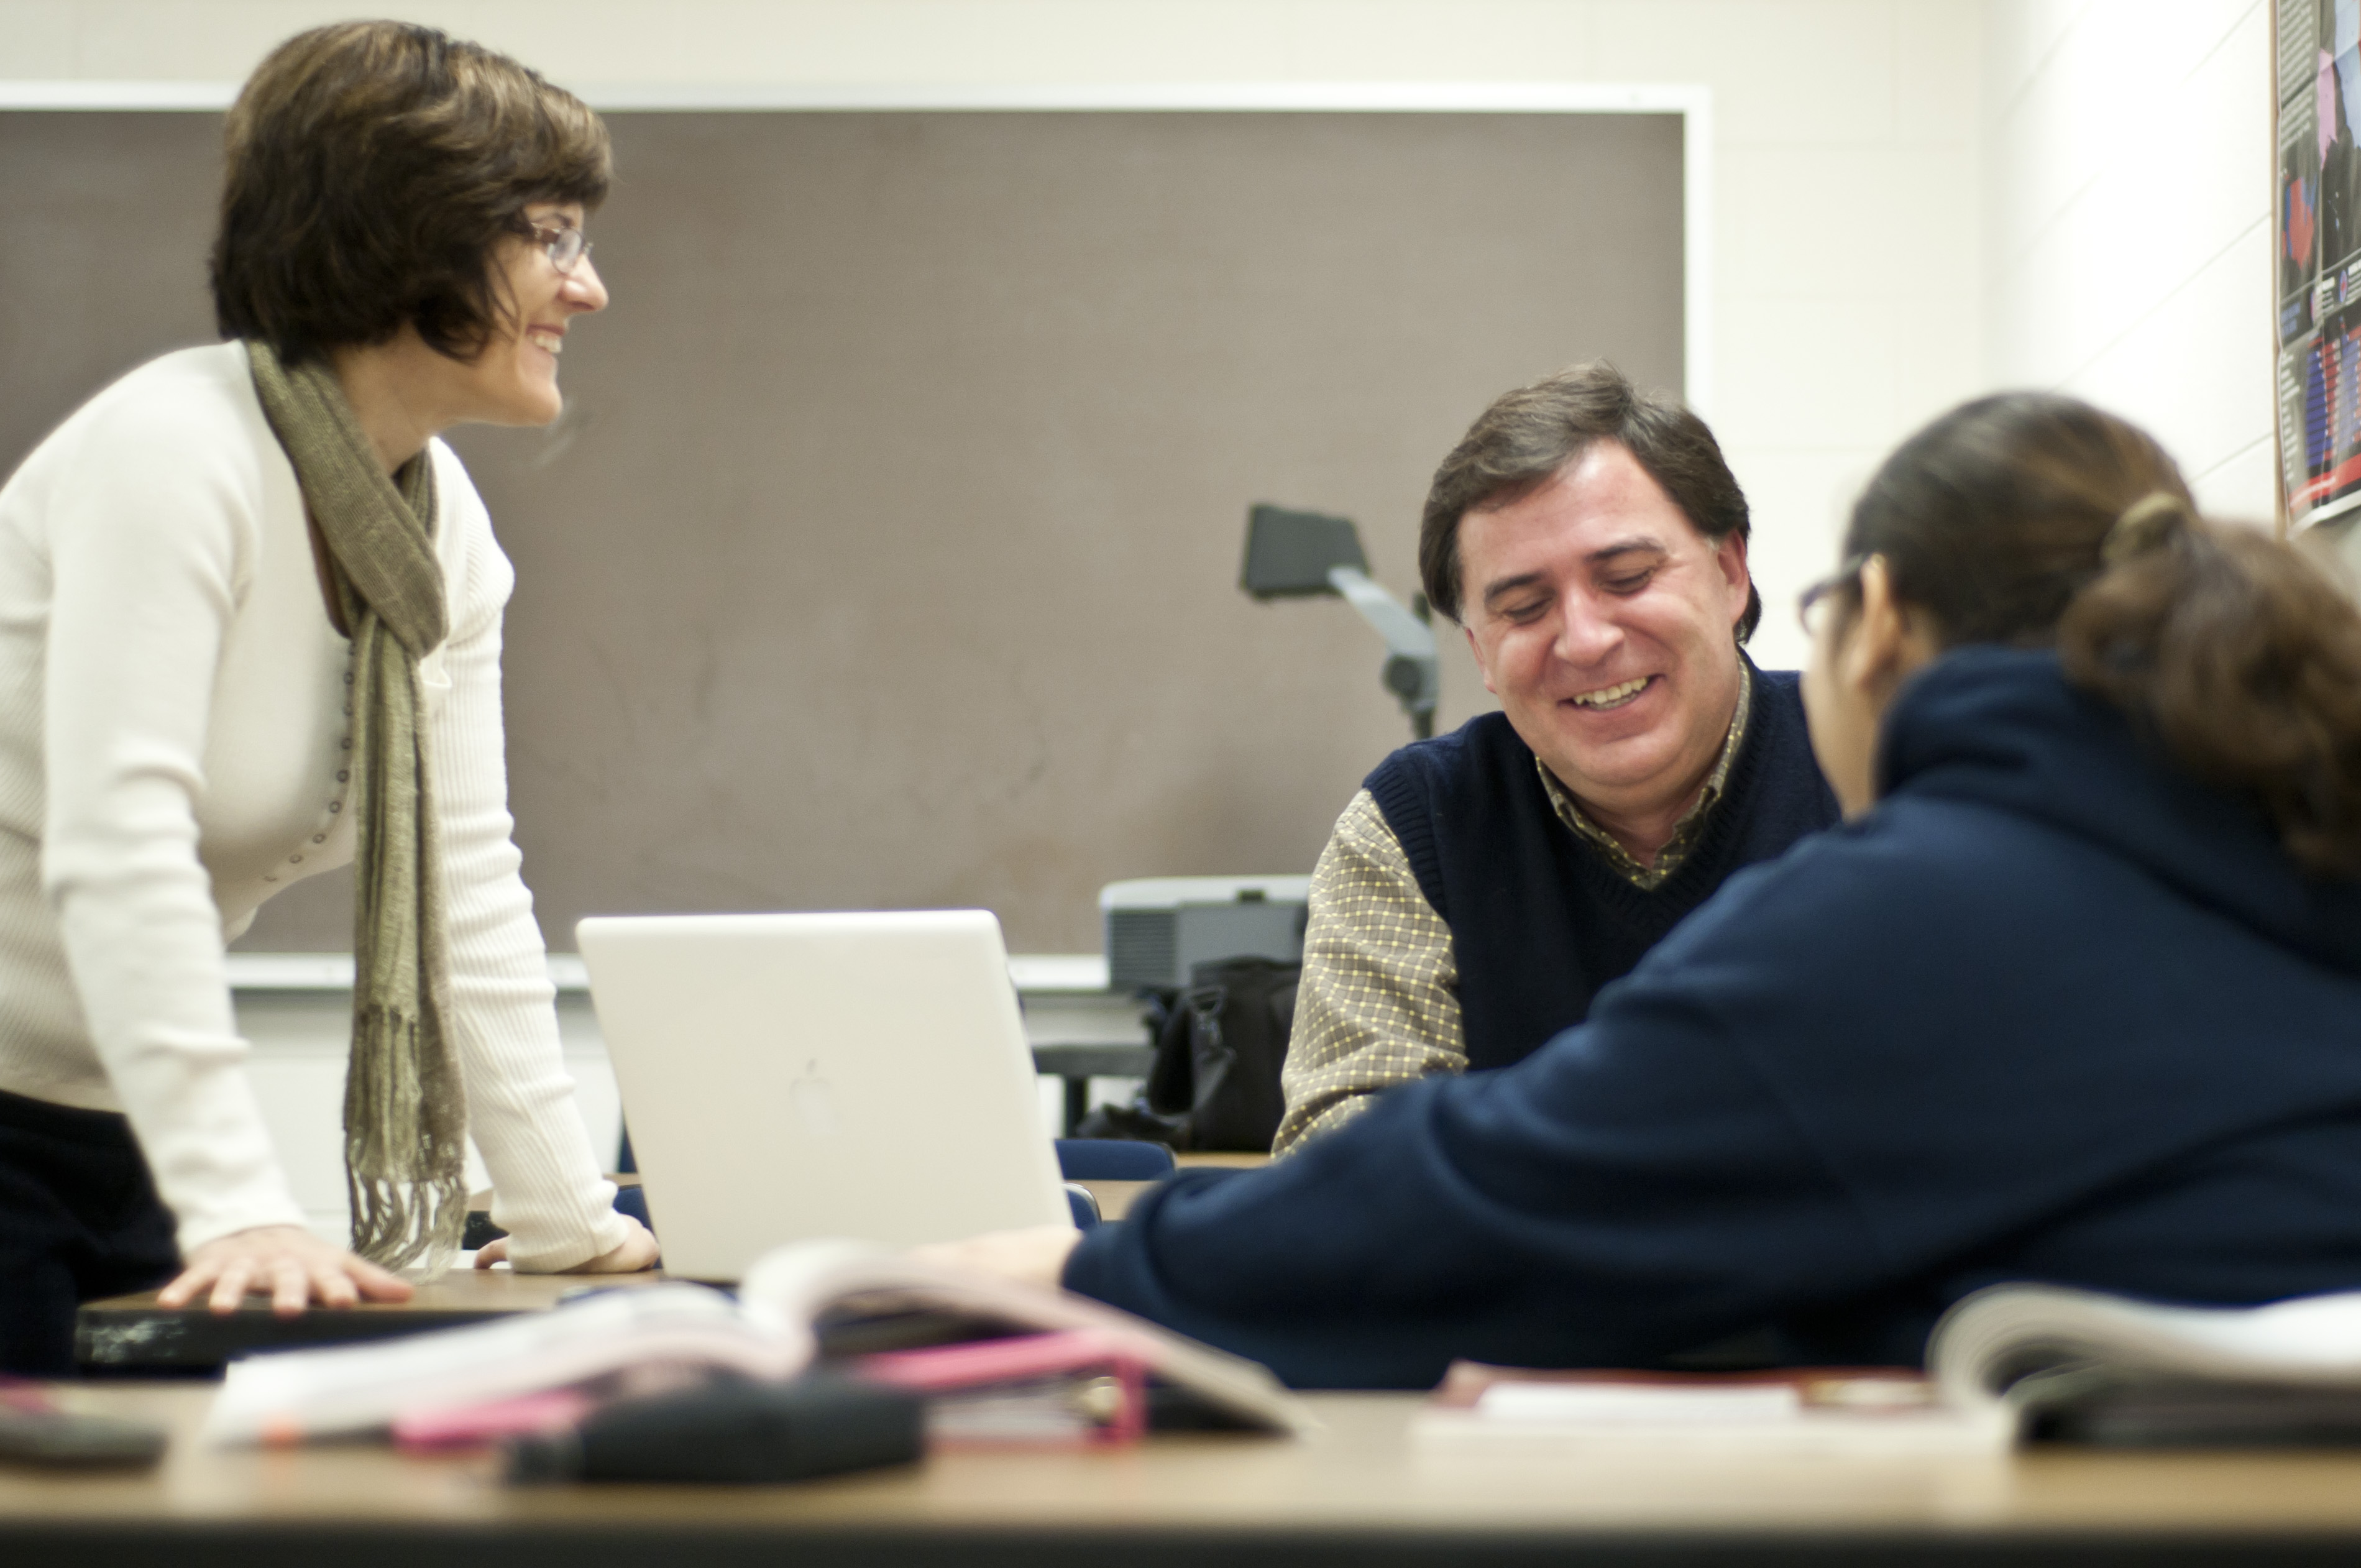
(792, 1075)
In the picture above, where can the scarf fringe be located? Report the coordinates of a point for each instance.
(405, 1152)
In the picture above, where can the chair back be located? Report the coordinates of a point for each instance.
(1112, 1159)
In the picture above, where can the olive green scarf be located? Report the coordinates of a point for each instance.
(405, 1115)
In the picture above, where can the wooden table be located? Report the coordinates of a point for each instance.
(132, 1332)
(1114, 1198)
(1361, 1495)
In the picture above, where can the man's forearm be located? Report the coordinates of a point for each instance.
(1379, 1004)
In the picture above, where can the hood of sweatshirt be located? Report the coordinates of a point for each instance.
(2003, 727)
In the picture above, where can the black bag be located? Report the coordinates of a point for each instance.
(1218, 1052)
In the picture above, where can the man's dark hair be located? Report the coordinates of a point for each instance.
(1528, 435)
(373, 169)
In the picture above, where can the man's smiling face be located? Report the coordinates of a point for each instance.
(1604, 623)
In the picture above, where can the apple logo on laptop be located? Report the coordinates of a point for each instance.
(814, 1099)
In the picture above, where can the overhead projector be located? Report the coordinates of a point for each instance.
(1157, 928)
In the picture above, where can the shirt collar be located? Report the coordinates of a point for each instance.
(1686, 832)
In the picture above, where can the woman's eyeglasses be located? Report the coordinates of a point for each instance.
(562, 243)
(1807, 605)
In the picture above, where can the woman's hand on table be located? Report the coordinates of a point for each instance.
(1033, 1256)
(286, 1263)
(635, 1251)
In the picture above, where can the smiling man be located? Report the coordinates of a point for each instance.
(1485, 884)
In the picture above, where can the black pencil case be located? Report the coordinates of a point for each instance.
(732, 1432)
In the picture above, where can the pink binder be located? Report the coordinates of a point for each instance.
(1077, 1388)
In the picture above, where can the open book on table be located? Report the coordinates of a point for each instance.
(1855, 1411)
(2078, 1366)
(822, 1301)
(2031, 1361)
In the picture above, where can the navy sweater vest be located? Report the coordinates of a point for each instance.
(1539, 920)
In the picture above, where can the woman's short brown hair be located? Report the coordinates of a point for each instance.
(373, 169)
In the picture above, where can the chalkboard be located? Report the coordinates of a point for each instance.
(886, 553)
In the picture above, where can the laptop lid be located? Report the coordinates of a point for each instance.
(792, 1075)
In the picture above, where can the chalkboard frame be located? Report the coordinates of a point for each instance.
(1690, 105)
(1692, 101)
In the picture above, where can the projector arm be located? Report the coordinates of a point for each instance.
(1308, 554)
(1413, 671)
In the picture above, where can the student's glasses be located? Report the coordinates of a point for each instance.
(563, 243)
(1809, 604)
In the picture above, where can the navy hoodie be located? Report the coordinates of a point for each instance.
(2053, 1011)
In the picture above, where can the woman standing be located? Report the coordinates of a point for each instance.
(249, 631)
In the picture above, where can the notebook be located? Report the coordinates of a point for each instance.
(787, 1077)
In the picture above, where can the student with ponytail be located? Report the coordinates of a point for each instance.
(2006, 523)
(2073, 996)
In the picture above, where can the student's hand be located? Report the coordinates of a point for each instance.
(635, 1251)
(287, 1263)
(1035, 1257)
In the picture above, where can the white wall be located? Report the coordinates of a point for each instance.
(2129, 178)
(1846, 301)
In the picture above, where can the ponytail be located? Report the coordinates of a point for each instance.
(2242, 657)
(2033, 520)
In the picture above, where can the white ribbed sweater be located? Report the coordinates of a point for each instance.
(174, 750)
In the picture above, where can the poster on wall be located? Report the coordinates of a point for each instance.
(2320, 256)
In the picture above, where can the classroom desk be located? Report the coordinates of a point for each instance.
(133, 1334)
(1076, 1063)
(1114, 1198)
(1360, 1493)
